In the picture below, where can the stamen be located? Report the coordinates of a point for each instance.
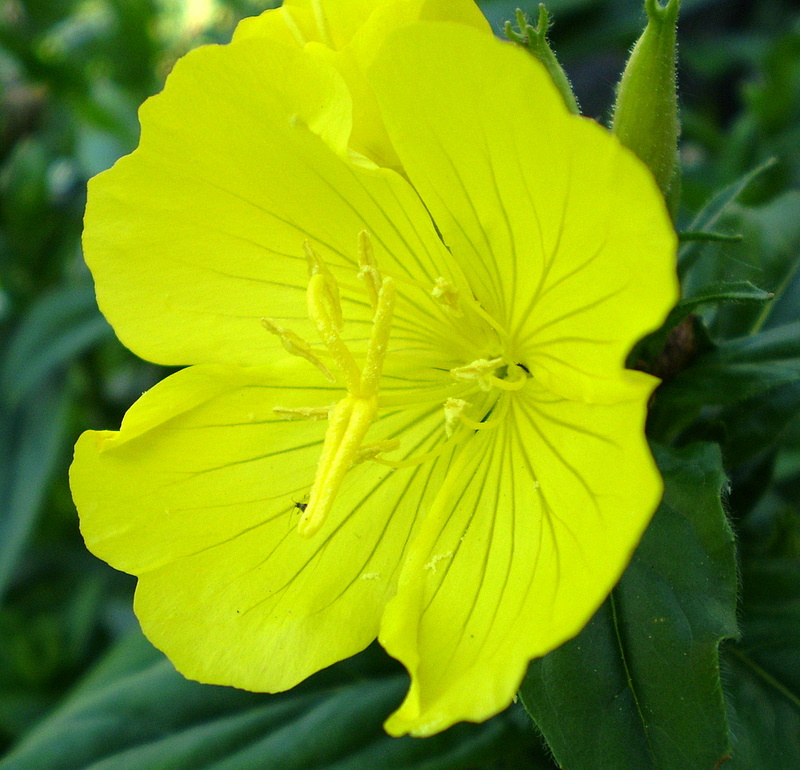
(371, 451)
(483, 372)
(317, 267)
(476, 425)
(446, 294)
(304, 412)
(369, 272)
(477, 308)
(418, 397)
(296, 345)
(323, 316)
(454, 414)
(351, 418)
(379, 339)
(453, 409)
(411, 462)
(479, 371)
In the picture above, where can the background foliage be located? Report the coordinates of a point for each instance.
(645, 684)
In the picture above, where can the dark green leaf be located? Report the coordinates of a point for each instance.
(763, 682)
(736, 370)
(135, 711)
(639, 687)
(713, 210)
(757, 424)
(30, 441)
(58, 327)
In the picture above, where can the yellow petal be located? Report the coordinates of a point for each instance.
(335, 24)
(563, 234)
(196, 495)
(530, 531)
(369, 133)
(348, 35)
(199, 233)
(330, 22)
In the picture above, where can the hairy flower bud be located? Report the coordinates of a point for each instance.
(646, 112)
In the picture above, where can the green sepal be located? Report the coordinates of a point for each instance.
(646, 110)
(535, 40)
(716, 293)
(639, 688)
(690, 236)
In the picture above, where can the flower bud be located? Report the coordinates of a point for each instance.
(646, 112)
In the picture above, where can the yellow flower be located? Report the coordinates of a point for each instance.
(434, 440)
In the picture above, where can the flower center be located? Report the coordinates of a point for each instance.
(351, 417)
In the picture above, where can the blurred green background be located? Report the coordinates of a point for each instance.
(72, 75)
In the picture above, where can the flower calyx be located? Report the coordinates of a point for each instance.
(535, 40)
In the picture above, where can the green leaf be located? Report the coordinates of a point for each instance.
(757, 424)
(710, 214)
(736, 370)
(23, 191)
(763, 669)
(31, 438)
(58, 327)
(639, 687)
(135, 711)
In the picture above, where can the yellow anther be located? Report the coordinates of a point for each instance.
(379, 339)
(368, 271)
(303, 412)
(296, 345)
(484, 372)
(479, 371)
(371, 451)
(446, 294)
(319, 309)
(482, 367)
(316, 266)
(453, 409)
